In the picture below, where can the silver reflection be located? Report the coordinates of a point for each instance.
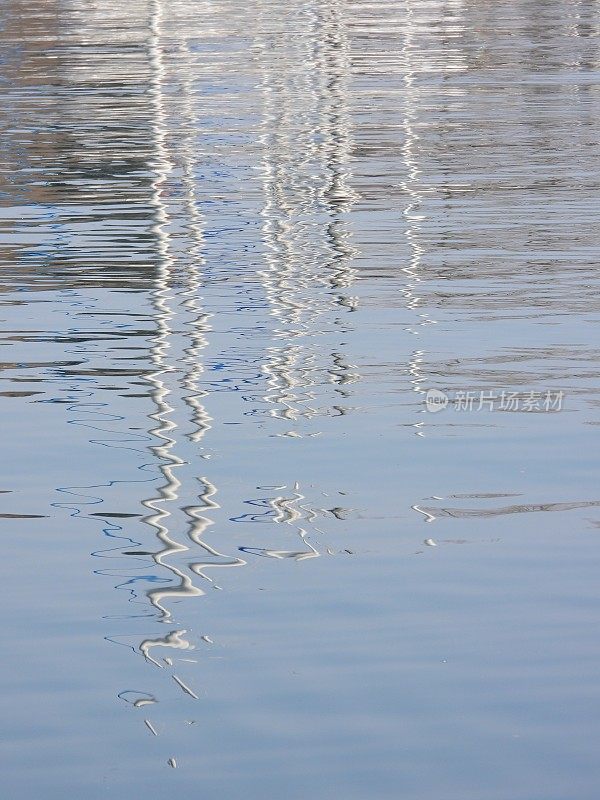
(181, 323)
(306, 132)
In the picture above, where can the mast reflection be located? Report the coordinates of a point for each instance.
(308, 254)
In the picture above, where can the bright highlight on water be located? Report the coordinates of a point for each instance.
(300, 364)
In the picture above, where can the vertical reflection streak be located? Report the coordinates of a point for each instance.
(307, 252)
(169, 307)
(410, 184)
(415, 195)
(199, 324)
(160, 393)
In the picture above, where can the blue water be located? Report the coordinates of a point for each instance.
(240, 246)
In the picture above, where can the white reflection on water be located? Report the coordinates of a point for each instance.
(227, 230)
(306, 142)
(296, 246)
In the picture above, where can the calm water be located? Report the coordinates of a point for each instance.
(240, 243)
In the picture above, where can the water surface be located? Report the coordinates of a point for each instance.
(240, 243)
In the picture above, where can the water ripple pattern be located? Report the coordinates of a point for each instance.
(241, 245)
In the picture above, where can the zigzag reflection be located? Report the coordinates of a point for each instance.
(308, 253)
(282, 510)
(180, 322)
(195, 330)
(307, 272)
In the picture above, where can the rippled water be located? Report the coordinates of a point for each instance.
(240, 243)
